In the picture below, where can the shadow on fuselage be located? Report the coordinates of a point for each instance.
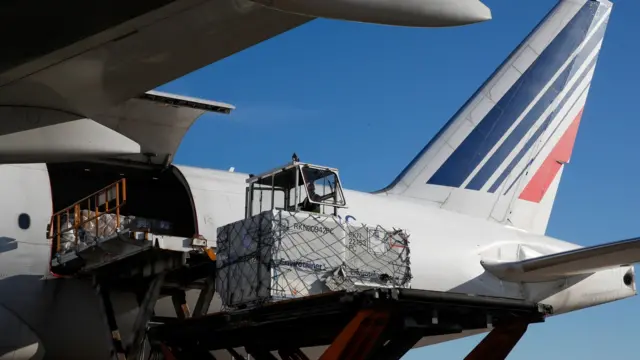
(489, 285)
(7, 244)
(64, 317)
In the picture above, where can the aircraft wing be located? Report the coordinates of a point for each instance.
(158, 121)
(109, 52)
(146, 129)
(569, 263)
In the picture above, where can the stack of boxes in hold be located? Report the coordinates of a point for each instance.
(106, 225)
(91, 229)
(278, 255)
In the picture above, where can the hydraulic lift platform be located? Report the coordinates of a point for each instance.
(379, 324)
(92, 235)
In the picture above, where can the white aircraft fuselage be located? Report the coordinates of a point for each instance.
(446, 248)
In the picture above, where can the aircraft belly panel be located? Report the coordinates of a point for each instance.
(18, 341)
(51, 319)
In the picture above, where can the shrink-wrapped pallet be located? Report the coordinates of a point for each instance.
(278, 255)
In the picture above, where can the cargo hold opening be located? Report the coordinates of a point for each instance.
(151, 193)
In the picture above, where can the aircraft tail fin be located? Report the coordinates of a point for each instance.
(502, 154)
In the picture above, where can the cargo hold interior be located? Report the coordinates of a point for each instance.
(152, 193)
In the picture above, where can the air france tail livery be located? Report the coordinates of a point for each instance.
(476, 201)
(502, 155)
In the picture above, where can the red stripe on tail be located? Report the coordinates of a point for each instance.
(561, 153)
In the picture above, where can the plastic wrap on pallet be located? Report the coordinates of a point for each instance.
(278, 254)
(105, 224)
(89, 230)
(67, 236)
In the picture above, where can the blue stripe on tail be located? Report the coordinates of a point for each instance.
(523, 128)
(520, 131)
(534, 138)
(496, 123)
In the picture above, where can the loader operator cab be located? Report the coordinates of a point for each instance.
(311, 202)
(296, 186)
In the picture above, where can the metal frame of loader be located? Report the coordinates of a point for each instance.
(374, 324)
(377, 324)
(120, 262)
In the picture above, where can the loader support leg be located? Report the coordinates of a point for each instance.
(144, 315)
(111, 320)
(206, 295)
(179, 299)
(359, 337)
(260, 354)
(292, 354)
(234, 354)
(500, 341)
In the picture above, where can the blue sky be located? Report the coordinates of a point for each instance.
(377, 94)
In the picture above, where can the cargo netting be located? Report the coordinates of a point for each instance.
(278, 255)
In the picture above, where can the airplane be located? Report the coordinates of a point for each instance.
(476, 201)
(112, 52)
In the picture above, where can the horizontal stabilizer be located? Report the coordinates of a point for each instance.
(569, 263)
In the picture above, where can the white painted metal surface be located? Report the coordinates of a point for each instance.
(145, 129)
